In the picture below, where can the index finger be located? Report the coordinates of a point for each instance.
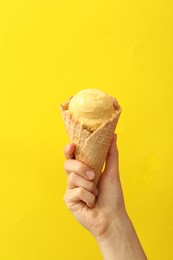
(69, 151)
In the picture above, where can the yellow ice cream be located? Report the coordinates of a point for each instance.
(91, 107)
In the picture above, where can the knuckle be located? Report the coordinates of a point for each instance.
(92, 186)
(93, 199)
(66, 201)
(81, 168)
(65, 165)
(65, 198)
(81, 191)
(72, 177)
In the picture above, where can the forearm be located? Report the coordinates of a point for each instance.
(122, 242)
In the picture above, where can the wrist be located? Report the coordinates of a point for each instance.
(120, 241)
(114, 236)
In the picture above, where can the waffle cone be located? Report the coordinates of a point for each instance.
(91, 148)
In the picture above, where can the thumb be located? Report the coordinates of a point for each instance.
(111, 167)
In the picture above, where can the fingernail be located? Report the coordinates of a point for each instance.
(96, 192)
(90, 174)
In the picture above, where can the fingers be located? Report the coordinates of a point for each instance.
(74, 196)
(79, 168)
(71, 165)
(79, 184)
(74, 180)
(69, 151)
(111, 168)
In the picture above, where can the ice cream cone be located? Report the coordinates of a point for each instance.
(91, 147)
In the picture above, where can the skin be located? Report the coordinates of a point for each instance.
(101, 210)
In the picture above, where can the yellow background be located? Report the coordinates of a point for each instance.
(49, 50)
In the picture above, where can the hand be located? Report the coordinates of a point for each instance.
(96, 209)
(102, 210)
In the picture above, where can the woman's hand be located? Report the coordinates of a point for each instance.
(97, 209)
(101, 209)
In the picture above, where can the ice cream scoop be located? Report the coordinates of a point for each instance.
(90, 118)
(91, 107)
